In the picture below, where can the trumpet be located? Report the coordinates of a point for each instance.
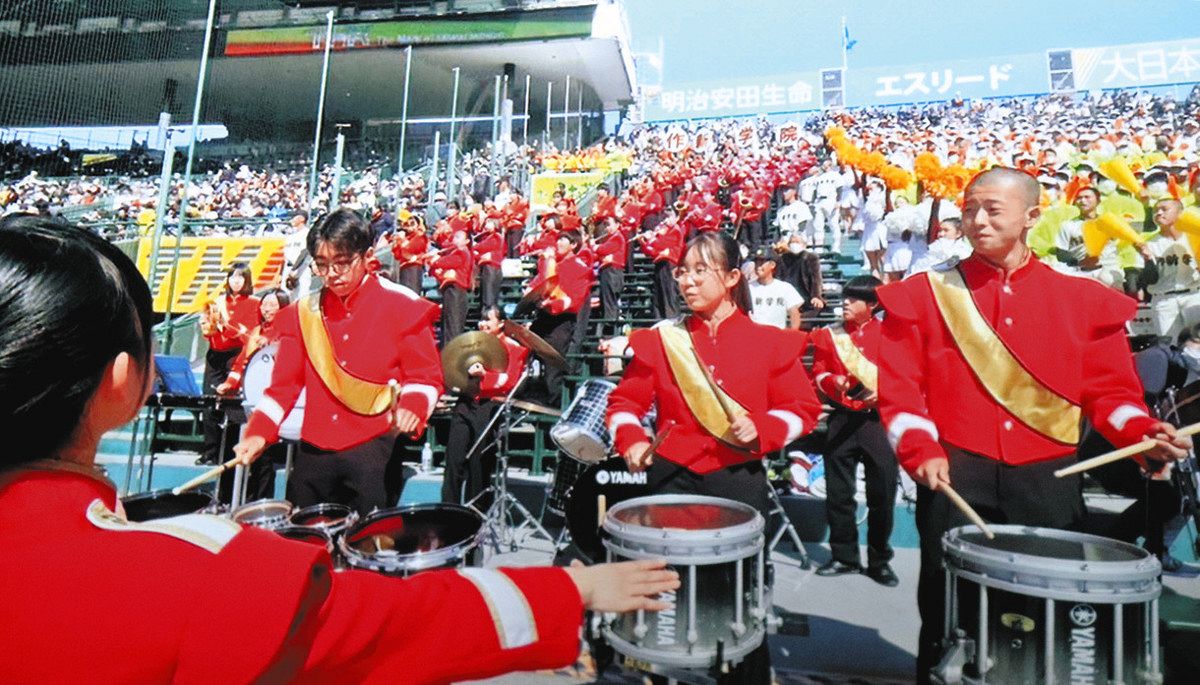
(215, 318)
(744, 202)
(680, 206)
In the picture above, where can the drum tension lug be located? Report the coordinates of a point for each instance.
(957, 655)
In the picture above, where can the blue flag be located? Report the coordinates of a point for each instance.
(847, 44)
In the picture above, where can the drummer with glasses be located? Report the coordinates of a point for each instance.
(728, 391)
(362, 349)
(991, 365)
(199, 598)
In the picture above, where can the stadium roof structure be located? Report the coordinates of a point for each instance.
(69, 63)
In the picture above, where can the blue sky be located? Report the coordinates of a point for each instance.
(715, 39)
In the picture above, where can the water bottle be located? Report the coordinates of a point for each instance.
(426, 458)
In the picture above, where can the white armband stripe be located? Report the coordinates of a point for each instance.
(904, 422)
(622, 418)
(1122, 414)
(795, 426)
(428, 391)
(501, 380)
(511, 614)
(269, 408)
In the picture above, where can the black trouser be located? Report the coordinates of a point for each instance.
(1155, 502)
(746, 483)
(410, 277)
(356, 477)
(454, 311)
(612, 281)
(260, 483)
(513, 238)
(855, 437)
(556, 329)
(216, 370)
(1025, 495)
(664, 291)
(751, 232)
(467, 421)
(489, 285)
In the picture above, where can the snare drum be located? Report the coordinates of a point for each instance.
(566, 472)
(581, 432)
(270, 514)
(1039, 605)
(718, 614)
(161, 504)
(256, 380)
(312, 536)
(404, 540)
(330, 519)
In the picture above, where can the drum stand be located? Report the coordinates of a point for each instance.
(500, 517)
(787, 527)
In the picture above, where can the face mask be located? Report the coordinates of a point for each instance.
(1191, 358)
(795, 248)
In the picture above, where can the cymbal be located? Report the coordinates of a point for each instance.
(465, 350)
(536, 408)
(535, 343)
(529, 301)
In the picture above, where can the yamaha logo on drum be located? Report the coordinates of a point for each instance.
(620, 478)
(1083, 645)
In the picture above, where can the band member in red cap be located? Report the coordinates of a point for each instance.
(986, 380)
(728, 390)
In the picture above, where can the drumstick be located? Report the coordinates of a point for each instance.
(967, 510)
(1117, 455)
(206, 476)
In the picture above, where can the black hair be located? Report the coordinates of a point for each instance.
(574, 237)
(281, 296)
(1089, 189)
(344, 229)
(247, 278)
(862, 288)
(721, 251)
(483, 315)
(70, 302)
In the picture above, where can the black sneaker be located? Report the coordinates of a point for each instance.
(833, 567)
(884, 575)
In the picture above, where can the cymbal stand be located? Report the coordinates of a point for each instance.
(787, 527)
(505, 510)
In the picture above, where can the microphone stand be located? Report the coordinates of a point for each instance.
(506, 516)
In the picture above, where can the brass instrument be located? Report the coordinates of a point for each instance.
(744, 202)
(215, 317)
(680, 206)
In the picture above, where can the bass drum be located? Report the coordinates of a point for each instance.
(256, 380)
(598, 488)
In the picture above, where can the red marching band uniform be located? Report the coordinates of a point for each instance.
(612, 251)
(828, 367)
(758, 366)
(383, 332)
(568, 281)
(240, 316)
(301, 621)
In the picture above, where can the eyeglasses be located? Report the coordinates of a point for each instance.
(339, 266)
(699, 273)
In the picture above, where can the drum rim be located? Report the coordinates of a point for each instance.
(708, 538)
(263, 504)
(416, 561)
(209, 507)
(988, 566)
(350, 516)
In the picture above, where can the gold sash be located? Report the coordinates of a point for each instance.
(711, 405)
(1001, 374)
(854, 360)
(360, 396)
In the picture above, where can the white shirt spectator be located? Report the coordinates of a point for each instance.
(772, 301)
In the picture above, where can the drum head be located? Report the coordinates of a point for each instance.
(612, 480)
(412, 538)
(266, 513)
(683, 515)
(323, 516)
(161, 504)
(312, 536)
(257, 376)
(1078, 548)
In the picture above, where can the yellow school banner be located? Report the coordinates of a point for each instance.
(203, 262)
(576, 185)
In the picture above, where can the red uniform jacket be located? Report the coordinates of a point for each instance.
(613, 251)
(443, 235)
(570, 222)
(463, 222)
(284, 614)
(263, 335)
(409, 248)
(758, 204)
(630, 214)
(456, 267)
(665, 245)
(516, 213)
(572, 279)
(489, 249)
(828, 369)
(499, 383)
(546, 238)
(243, 317)
(1068, 332)
(703, 216)
(382, 332)
(604, 208)
(758, 366)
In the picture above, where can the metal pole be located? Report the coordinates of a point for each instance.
(546, 131)
(495, 115)
(335, 192)
(525, 124)
(187, 172)
(451, 172)
(579, 121)
(433, 173)
(164, 199)
(566, 113)
(312, 176)
(404, 110)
